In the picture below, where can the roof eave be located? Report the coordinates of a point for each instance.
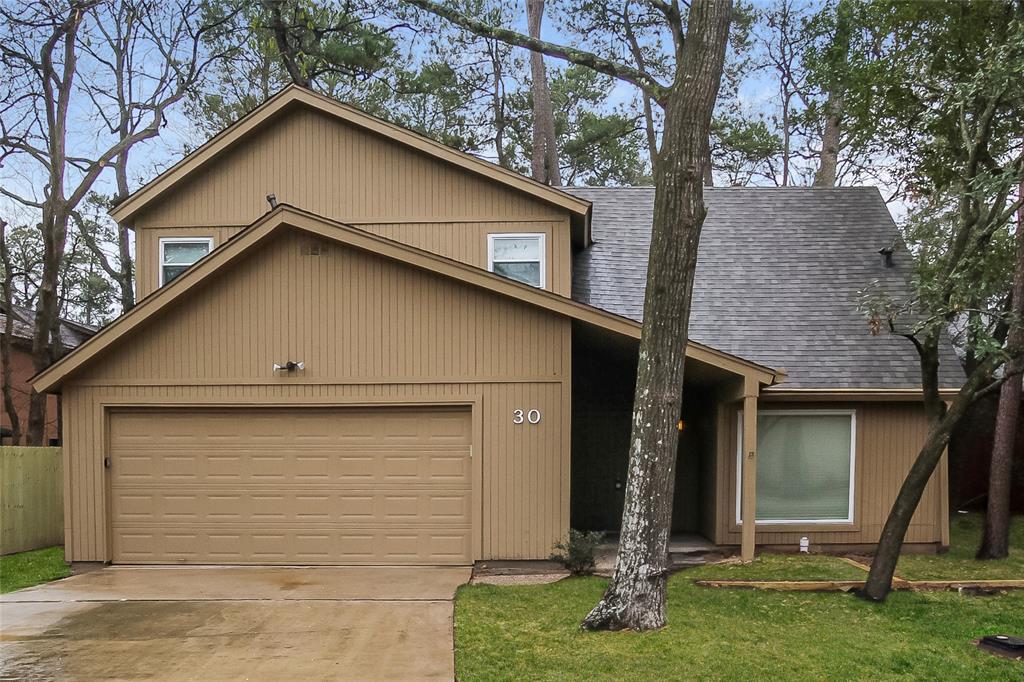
(868, 394)
(285, 215)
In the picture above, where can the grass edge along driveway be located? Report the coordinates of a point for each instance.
(25, 569)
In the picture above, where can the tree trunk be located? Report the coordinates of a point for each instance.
(883, 567)
(55, 230)
(545, 167)
(828, 160)
(288, 53)
(126, 282)
(635, 598)
(498, 104)
(785, 137)
(126, 275)
(7, 341)
(838, 56)
(995, 542)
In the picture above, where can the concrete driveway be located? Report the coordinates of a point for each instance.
(179, 623)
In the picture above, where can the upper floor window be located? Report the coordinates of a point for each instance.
(517, 256)
(178, 253)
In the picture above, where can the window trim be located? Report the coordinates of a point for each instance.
(849, 520)
(542, 241)
(178, 240)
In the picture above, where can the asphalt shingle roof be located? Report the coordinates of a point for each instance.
(778, 273)
(72, 334)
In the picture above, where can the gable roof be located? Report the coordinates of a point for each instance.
(285, 216)
(296, 96)
(777, 278)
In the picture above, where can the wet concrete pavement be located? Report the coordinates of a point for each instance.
(233, 623)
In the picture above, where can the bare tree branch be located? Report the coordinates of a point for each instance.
(643, 80)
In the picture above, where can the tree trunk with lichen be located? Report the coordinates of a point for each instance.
(635, 598)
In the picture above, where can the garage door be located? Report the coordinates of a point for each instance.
(291, 486)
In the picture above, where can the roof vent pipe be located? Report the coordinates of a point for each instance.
(886, 252)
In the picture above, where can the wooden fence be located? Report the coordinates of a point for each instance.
(31, 498)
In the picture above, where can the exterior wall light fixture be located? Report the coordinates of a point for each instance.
(289, 366)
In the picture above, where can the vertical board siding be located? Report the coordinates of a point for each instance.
(316, 162)
(31, 505)
(889, 437)
(371, 332)
(331, 168)
(349, 316)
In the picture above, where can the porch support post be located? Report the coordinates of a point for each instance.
(749, 454)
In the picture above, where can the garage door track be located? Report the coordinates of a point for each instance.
(181, 623)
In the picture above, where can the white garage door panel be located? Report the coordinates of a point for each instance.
(371, 486)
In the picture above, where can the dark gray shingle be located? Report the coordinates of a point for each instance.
(72, 334)
(777, 279)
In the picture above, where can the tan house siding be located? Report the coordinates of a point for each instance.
(888, 438)
(147, 250)
(371, 332)
(331, 168)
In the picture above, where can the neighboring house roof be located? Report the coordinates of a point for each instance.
(293, 96)
(777, 278)
(285, 216)
(72, 334)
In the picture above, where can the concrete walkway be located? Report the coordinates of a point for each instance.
(233, 623)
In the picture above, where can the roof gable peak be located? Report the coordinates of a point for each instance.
(295, 96)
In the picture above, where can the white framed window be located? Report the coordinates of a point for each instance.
(518, 256)
(177, 254)
(806, 466)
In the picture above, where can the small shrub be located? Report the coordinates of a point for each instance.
(577, 553)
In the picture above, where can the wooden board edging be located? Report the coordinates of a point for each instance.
(847, 585)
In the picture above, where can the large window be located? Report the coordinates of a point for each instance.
(805, 466)
(517, 256)
(178, 253)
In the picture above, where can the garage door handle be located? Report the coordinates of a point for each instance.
(106, 462)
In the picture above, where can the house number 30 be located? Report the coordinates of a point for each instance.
(531, 416)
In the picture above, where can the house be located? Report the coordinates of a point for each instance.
(356, 346)
(23, 322)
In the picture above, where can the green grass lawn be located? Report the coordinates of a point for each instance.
(26, 569)
(784, 567)
(959, 563)
(532, 632)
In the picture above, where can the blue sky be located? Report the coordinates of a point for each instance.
(152, 156)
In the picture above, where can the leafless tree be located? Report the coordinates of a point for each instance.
(784, 44)
(69, 67)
